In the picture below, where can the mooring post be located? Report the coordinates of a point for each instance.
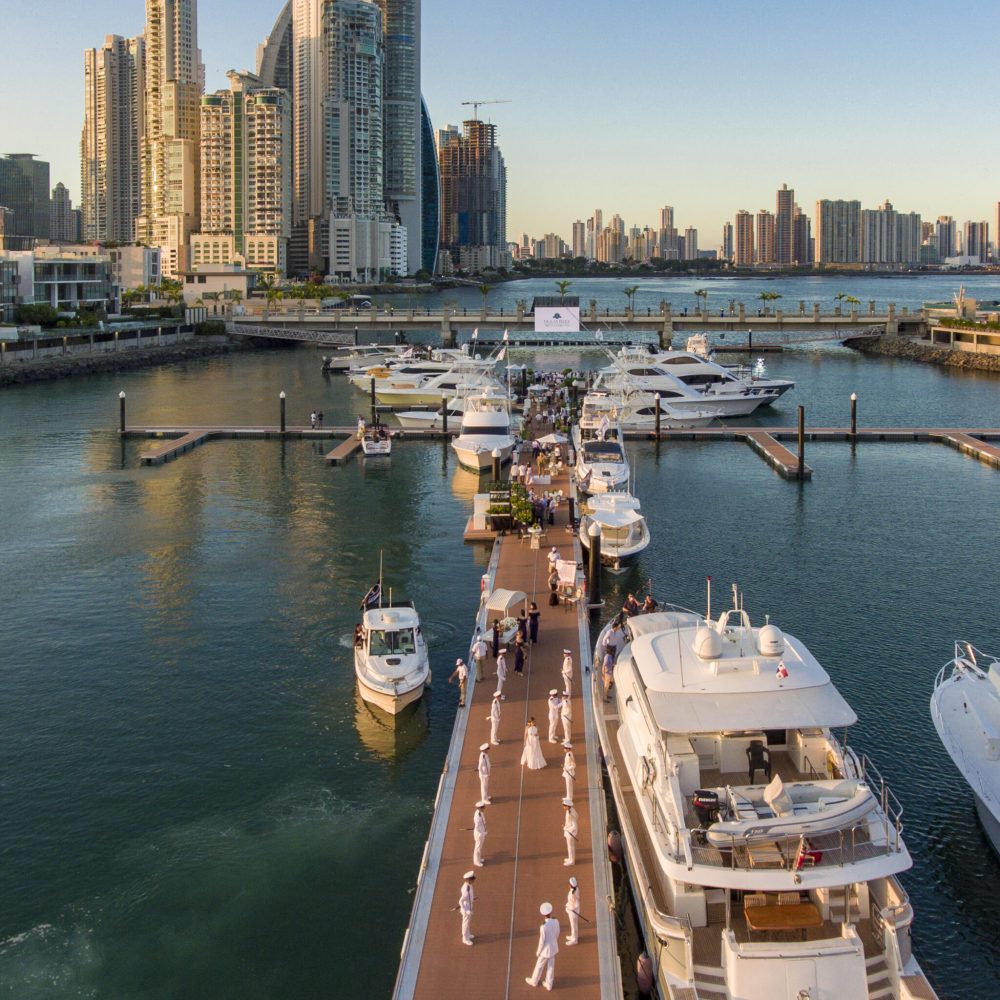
(373, 398)
(496, 465)
(281, 397)
(749, 341)
(657, 399)
(854, 416)
(444, 415)
(594, 566)
(121, 412)
(802, 443)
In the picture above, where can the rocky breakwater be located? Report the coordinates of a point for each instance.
(70, 365)
(915, 350)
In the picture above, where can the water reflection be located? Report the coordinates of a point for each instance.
(391, 737)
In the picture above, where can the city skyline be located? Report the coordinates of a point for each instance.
(674, 123)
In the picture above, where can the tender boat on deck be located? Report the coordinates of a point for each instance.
(965, 708)
(763, 851)
(390, 657)
(624, 532)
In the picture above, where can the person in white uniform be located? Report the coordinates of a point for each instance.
(566, 714)
(573, 912)
(548, 948)
(465, 903)
(494, 718)
(569, 769)
(479, 651)
(501, 669)
(571, 828)
(567, 670)
(484, 772)
(479, 833)
(554, 705)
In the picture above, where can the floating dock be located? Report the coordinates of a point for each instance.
(524, 847)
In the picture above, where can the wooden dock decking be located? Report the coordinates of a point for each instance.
(524, 847)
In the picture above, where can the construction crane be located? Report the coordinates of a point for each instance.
(475, 106)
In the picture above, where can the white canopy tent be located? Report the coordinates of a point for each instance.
(500, 602)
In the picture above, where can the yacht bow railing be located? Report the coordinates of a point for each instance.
(967, 658)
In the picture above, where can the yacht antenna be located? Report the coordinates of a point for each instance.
(380, 576)
(736, 598)
(708, 587)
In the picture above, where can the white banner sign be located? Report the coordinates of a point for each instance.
(557, 319)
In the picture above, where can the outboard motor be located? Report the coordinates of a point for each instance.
(706, 805)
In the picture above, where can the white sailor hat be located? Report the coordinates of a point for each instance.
(458, 662)
(469, 876)
(567, 652)
(567, 745)
(497, 694)
(554, 549)
(553, 691)
(482, 804)
(545, 909)
(484, 746)
(567, 802)
(572, 881)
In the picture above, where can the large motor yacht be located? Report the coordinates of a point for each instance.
(763, 851)
(965, 708)
(601, 462)
(485, 429)
(624, 532)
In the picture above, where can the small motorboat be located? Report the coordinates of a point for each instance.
(624, 532)
(377, 440)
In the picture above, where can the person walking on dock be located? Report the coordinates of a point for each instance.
(553, 558)
(569, 769)
(312, 420)
(567, 670)
(608, 672)
(361, 427)
(496, 637)
(484, 773)
(465, 902)
(461, 671)
(479, 651)
(573, 912)
(566, 714)
(533, 615)
(479, 833)
(494, 718)
(555, 703)
(548, 948)
(571, 827)
(501, 670)
(553, 587)
(531, 755)
(519, 657)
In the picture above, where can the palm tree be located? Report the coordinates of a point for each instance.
(852, 300)
(484, 290)
(563, 287)
(630, 292)
(766, 297)
(702, 294)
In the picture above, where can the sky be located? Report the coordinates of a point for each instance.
(632, 105)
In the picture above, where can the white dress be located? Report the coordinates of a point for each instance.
(532, 753)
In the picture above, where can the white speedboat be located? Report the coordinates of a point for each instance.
(431, 419)
(390, 657)
(485, 429)
(763, 851)
(624, 532)
(377, 440)
(965, 708)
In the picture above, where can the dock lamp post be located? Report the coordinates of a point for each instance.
(281, 397)
(854, 416)
(121, 411)
(594, 566)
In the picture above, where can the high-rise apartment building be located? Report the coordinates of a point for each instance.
(996, 233)
(726, 247)
(64, 219)
(784, 237)
(473, 191)
(945, 234)
(838, 232)
(744, 251)
(802, 244)
(246, 174)
(690, 243)
(765, 237)
(579, 239)
(977, 240)
(24, 189)
(170, 144)
(890, 237)
(111, 143)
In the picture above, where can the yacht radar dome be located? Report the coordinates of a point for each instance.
(707, 643)
(770, 641)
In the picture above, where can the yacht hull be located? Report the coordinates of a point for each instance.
(479, 459)
(990, 824)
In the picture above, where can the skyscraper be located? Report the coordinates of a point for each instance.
(111, 144)
(170, 146)
(977, 240)
(838, 232)
(64, 219)
(246, 173)
(879, 235)
(24, 189)
(784, 251)
(765, 237)
(744, 256)
(726, 248)
(690, 243)
(801, 237)
(579, 239)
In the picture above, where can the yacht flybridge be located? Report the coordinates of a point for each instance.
(601, 462)
(763, 850)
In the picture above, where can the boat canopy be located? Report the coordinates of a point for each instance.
(615, 518)
(502, 601)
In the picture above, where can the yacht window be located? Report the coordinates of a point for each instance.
(701, 379)
(776, 737)
(384, 643)
(678, 361)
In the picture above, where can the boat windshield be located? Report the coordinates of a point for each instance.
(386, 643)
(602, 451)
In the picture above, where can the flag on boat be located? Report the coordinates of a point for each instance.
(503, 353)
(372, 597)
(782, 672)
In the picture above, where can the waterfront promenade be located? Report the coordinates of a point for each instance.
(525, 847)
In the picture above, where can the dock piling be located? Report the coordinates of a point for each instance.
(121, 412)
(802, 443)
(374, 419)
(496, 465)
(657, 398)
(854, 417)
(281, 397)
(444, 415)
(594, 566)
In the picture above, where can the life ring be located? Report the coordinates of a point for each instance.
(648, 771)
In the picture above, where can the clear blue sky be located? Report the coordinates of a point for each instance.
(631, 105)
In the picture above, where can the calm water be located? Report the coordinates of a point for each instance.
(194, 803)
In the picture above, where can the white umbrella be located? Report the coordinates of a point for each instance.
(554, 438)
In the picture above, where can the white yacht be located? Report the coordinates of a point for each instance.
(344, 359)
(762, 850)
(598, 420)
(637, 412)
(965, 708)
(624, 532)
(390, 656)
(431, 418)
(601, 462)
(431, 389)
(485, 429)
(377, 440)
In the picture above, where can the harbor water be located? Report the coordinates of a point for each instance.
(193, 800)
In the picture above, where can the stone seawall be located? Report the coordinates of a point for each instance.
(914, 350)
(70, 365)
